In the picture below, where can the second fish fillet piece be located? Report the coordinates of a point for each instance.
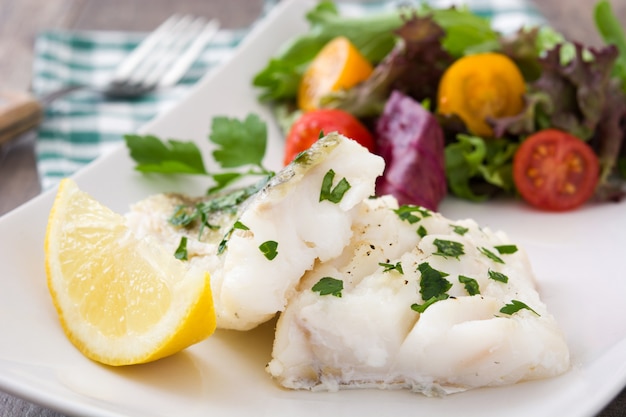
(420, 302)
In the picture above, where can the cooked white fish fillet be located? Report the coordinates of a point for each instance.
(356, 320)
(257, 250)
(371, 294)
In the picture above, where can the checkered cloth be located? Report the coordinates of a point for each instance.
(83, 125)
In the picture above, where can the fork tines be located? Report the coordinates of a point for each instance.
(163, 57)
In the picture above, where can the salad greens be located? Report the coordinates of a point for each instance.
(372, 35)
(571, 87)
(613, 34)
(376, 36)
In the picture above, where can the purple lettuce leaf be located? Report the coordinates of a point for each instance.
(411, 142)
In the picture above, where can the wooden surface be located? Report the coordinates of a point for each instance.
(21, 20)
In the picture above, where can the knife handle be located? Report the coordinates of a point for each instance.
(19, 112)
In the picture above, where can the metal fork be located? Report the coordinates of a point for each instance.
(163, 57)
(159, 61)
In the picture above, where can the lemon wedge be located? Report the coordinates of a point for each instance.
(120, 300)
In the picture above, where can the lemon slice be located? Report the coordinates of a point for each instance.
(120, 300)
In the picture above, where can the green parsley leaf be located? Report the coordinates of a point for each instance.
(420, 308)
(204, 223)
(240, 226)
(471, 285)
(223, 243)
(181, 250)
(268, 249)
(329, 285)
(432, 282)
(514, 306)
(421, 231)
(183, 216)
(506, 249)
(223, 180)
(498, 276)
(334, 195)
(239, 142)
(391, 267)
(407, 213)
(460, 230)
(489, 254)
(448, 248)
(172, 157)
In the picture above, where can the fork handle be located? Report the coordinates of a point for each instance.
(19, 112)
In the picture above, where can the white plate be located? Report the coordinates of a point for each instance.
(577, 257)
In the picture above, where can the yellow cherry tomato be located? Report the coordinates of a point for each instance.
(339, 65)
(481, 86)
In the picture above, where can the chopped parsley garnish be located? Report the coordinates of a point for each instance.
(420, 308)
(186, 215)
(506, 249)
(421, 231)
(226, 203)
(391, 267)
(448, 248)
(269, 249)
(224, 242)
(183, 216)
(460, 230)
(471, 285)
(334, 195)
(407, 213)
(498, 276)
(489, 254)
(329, 285)
(181, 250)
(432, 282)
(514, 306)
(240, 226)
(237, 226)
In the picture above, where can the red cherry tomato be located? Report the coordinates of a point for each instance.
(306, 130)
(555, 171)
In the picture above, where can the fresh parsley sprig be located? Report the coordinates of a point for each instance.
(240, 149)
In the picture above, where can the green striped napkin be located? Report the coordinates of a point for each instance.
(84, 125)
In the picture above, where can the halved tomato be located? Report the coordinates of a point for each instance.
(306, 130)
(555, 171)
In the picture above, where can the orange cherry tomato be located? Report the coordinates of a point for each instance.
(339, 65)
(555, 171)
(480, 86)
(306, 130)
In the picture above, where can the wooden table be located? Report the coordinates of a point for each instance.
(20, 20)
